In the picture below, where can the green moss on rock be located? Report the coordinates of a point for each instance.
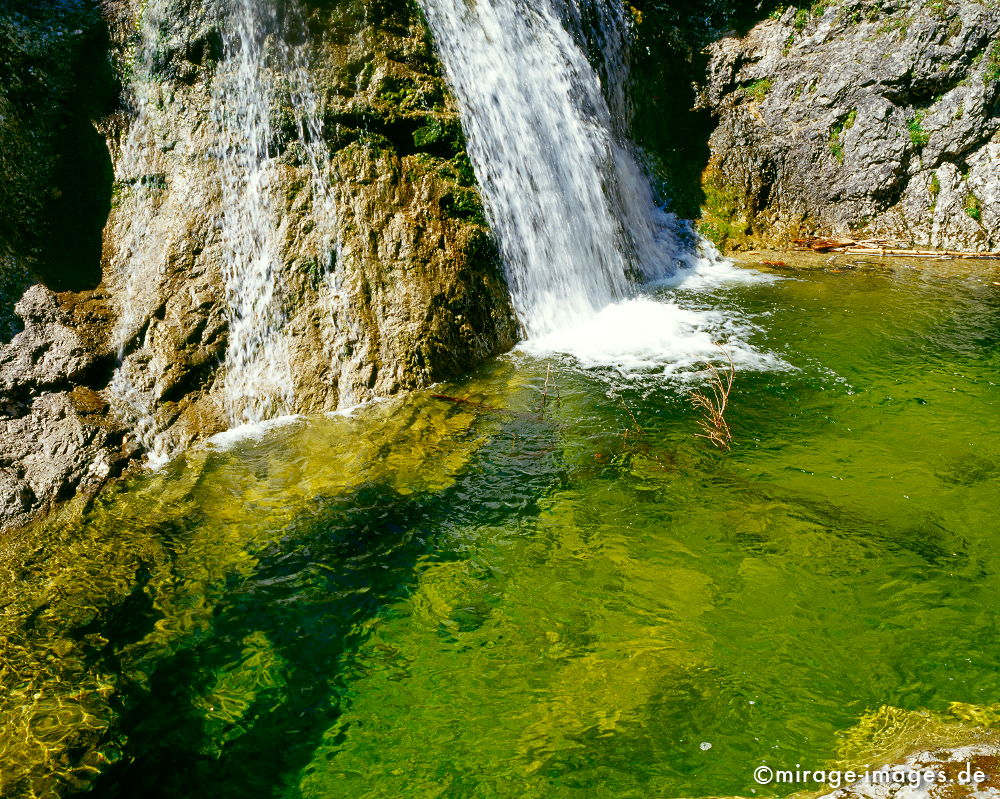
(723, 219)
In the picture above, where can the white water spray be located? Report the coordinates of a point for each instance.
(141, 256)
(258, 382)
(261, 61)
(571, 208)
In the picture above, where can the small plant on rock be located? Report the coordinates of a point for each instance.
(992, 72)
(918, 135)
(973, 207)
(758, 89)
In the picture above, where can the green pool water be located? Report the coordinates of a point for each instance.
(554, 589)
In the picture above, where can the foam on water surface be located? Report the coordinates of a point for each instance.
(659, 334)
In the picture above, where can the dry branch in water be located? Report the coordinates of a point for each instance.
(713, 405)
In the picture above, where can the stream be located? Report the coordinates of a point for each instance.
(553, 587)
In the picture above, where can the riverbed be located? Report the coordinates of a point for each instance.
(538, 580)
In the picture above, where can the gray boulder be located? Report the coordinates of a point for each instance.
(874, 118)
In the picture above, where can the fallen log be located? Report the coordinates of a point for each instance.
(824, 245)
(483, 408)
(919, 253)
(881, 247)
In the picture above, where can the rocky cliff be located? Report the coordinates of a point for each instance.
(124, 347)
(877, 118)
(55, 171)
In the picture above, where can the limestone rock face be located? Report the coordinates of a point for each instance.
(57, 437)
(408, 291)
(53, 198)
(876, 118)
(399, 286)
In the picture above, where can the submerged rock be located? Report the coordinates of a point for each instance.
(879, 118)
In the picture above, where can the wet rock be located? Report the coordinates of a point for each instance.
(48, 353)
(99, 375)
(418, 292)
(874, 118)
(58, 436)
(943, 773)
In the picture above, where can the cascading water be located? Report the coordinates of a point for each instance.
(266, 58)
(142, 258)
(571, 208)
(258, 382)
(264, 64)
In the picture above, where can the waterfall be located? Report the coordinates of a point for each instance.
(571, 208)
(264, 68)
(260, 61)
(139, 181)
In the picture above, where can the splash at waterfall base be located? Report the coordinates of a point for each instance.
(413, 248)
(546, 588)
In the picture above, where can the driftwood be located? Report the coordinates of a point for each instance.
(881, 247)
(479, 406)
(483, 408)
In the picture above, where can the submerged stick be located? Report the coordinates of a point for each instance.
(483, 408)
(713, 424)
(545, 389)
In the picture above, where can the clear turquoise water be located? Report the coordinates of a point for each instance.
(505, 598)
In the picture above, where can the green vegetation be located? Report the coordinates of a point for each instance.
(463, 204)
(954, 28)
(992, 72)
(851, 15)
(430, 133)
(941, 9)
(458, 169)
(918, 135)
(973, 207)
(934, 189)
(406, 94)
(803, 14)
(846, 123)
(758, 90)
(898, 24)
(314, 273)
(722, 217)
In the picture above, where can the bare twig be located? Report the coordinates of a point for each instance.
(545, 390)
(628, 410)
(713, 405)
